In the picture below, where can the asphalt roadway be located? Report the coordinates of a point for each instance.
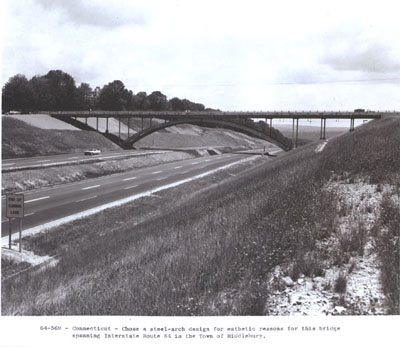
(67, 159)
(52, 203)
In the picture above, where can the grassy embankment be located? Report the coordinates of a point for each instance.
(20, 139)
(211, 251)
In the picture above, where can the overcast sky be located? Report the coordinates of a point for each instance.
(232, 55)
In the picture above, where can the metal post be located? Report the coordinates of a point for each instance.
(97, 123)
(9, 232)
(107, 126)
(86, 120)
(324, 128)
(297, 131)
(20, 235)
(270, 122)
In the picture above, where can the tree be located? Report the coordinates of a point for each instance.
(17, 94)
(139, 101)
(114, 97)
(85, 99)
(158, 101)
(62, 89)
(191, 106)
(176, 104)
(42, 96)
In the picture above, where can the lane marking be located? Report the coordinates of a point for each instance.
(194, 163)
(207, 160)
(177, 167)
(91, 187)
(132, 187)
(29, 214)
(162, 178)
(8, 164)
(42, 161)
(73, 158)
(37, 199)
(129, 178)
(93, 197)
(156, 172)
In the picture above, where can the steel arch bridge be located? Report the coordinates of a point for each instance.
(244, 125)
(240, 121)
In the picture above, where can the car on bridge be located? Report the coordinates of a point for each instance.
(92, 151)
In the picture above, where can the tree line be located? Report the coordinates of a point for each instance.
(57, 91)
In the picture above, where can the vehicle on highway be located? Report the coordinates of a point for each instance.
(92, 151)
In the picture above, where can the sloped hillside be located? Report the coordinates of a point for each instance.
(20, 139)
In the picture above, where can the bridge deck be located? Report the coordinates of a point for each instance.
(227, 115)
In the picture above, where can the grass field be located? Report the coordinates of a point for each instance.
(209, 249)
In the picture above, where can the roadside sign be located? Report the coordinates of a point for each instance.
(15, 209)
(15, 205)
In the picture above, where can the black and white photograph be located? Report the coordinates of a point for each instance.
(220, 172)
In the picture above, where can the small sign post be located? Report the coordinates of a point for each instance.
(15, 209)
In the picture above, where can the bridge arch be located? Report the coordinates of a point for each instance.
(247, 128)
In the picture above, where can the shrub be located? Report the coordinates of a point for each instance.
(341, 283)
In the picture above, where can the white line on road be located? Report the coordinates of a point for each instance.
(29, 214)
(194, 163)
(8, 164)
(91, 187)
(156, 172)
(177, 167)
(42, 161)
(207, 160)
(129, 178)
(73, 158)
(44, 197)
(92, 197)
(162, 178)
(131, 187)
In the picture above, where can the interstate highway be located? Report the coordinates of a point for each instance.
(49, 204)
(67, 159)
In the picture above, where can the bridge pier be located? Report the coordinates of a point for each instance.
(293, 144)
(107, 125)
(97, 123)
(323, 129)
(351, 124)
(295, 132)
